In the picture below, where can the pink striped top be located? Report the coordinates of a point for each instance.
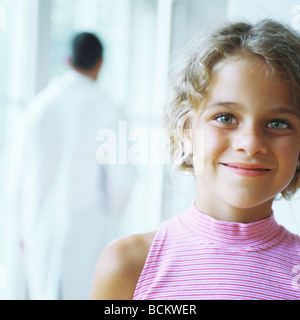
(194, 256)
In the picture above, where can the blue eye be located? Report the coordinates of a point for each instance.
(278, 125)
(225, 118)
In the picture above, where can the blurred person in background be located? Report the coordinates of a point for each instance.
(65, 203)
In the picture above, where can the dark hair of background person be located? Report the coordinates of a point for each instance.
(86, 51)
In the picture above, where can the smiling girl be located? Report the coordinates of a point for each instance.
(240, 86)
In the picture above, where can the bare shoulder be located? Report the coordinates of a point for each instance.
(119, 267)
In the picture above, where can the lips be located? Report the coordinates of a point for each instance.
(247, 170)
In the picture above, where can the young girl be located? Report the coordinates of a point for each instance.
(240, 87)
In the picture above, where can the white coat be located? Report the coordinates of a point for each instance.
(65, 203)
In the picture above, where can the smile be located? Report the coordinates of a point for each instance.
(247, 170)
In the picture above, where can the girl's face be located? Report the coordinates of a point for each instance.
(251, 142)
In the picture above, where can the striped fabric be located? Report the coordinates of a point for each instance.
(195, 257)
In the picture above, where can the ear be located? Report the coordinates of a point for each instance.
(99, 64)
(69, 61)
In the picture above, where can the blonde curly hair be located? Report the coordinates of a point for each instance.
(277, 44)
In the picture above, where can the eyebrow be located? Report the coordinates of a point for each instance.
(293, 111)
(230, 105)
(227, 104)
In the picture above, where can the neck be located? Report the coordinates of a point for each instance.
(221, 210)
(92, 74)
(226, 212)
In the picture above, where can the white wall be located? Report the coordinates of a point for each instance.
(254, 10)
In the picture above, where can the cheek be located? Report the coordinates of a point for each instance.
(215, 143)
(287, 155)
(208, 148)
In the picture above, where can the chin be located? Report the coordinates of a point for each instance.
(247, 200)
(249, 203)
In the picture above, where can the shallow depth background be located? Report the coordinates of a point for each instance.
(141, 37)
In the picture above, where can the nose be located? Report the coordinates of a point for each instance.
(250, 140)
